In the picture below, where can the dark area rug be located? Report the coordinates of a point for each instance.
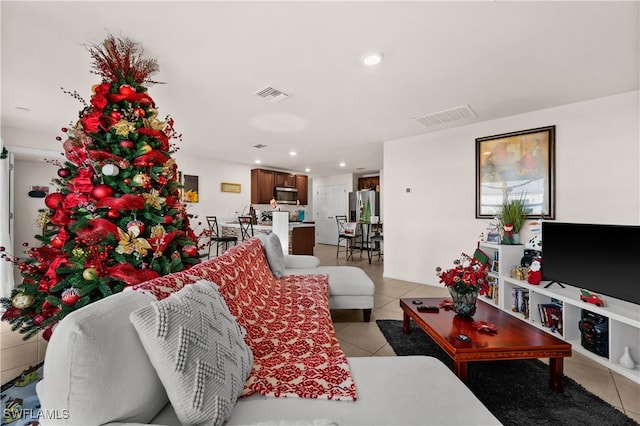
(516, 392)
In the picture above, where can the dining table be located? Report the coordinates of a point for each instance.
(372, 234)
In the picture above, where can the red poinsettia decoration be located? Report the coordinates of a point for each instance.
(467, 275)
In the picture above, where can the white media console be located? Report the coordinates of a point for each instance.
(623, 317)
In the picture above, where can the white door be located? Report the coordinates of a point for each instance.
(331, 200)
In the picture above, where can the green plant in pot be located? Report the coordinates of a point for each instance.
(513, 213)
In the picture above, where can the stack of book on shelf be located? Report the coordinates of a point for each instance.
(493, 289)
(521, 301)
(551, 315)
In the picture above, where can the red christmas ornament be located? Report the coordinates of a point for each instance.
(70, 296)
(97, 229)
(191, 251)
(126, 90)
(138, 112)
(167, 219)
(46, 334)
(57, 242)
(126, 143)
(127, 181)
(64, 173)
(102, 191)
(115, 115)
(113, 214)
(54, 200)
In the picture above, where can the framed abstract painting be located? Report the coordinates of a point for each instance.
(516, 165)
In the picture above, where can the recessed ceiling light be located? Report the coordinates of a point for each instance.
(307, 170)
(372, 58)
(258, 161)
(292, 153)
(342, 164)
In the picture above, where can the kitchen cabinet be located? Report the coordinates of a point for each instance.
(285, 179)
(371, 182)
(264, 181)
(302, 182)
(262, 184)
(302, 240)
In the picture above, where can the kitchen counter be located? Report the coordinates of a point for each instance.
(266, 226)
(302, 235)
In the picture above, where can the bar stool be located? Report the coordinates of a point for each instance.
(246, 227)
(215, 237)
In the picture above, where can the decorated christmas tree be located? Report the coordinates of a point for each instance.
(117, 218)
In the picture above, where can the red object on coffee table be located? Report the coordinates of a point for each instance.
(516, 340)
(484, 326)
(446, 304)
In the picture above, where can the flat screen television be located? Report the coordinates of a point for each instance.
(604, 259)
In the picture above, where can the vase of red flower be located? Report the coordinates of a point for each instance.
(465, 281)
(464, 304)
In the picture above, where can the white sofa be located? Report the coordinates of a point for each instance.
(96, 371)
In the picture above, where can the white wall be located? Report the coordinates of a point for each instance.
(212, 201)
(597, 180)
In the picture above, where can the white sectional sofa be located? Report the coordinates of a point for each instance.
(97, 369)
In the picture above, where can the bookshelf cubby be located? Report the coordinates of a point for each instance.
(623, 317)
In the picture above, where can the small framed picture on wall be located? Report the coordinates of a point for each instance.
(38, 191)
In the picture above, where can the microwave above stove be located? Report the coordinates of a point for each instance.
(285, 195)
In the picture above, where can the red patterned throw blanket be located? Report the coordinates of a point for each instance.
(289, 329)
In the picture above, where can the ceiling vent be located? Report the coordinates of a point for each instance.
(448, 116)
(272, 95)
(260, 146)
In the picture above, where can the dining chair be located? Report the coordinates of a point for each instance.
(246, 227)
(376, 242)
(347, 232)
(216, 238)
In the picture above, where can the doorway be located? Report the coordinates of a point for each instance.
(332, 201)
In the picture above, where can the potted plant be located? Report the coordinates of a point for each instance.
(513, 213)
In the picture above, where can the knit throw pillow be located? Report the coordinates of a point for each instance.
(274, 253)
(198, 351)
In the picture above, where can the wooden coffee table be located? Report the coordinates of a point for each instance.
(515, 338)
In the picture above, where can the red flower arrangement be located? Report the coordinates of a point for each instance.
(467, 276)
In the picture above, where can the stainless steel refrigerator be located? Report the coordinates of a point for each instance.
(358, 201)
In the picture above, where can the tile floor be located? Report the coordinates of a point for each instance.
(365, 339)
